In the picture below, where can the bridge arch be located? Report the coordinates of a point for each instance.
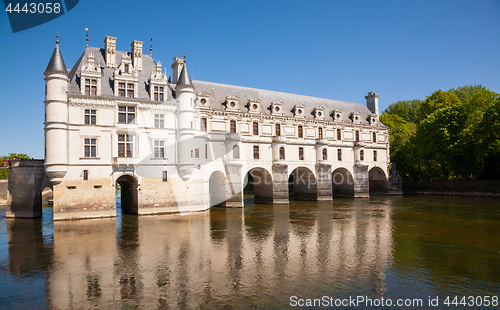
(377, 181)
(302, 182)
(260, 181)
(128, 193)
(217, 189)
(342, 183)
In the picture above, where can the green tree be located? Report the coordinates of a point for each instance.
(465, 92)
(4, 173)
(407, 109)
(437, 100)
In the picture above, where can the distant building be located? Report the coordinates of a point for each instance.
(178, 145)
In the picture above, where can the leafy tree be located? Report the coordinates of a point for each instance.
(465, 92)
(438, 100)
(4, 173)
(406, 109)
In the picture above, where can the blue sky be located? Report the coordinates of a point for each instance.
(332, 49)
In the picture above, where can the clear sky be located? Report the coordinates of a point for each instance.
(339, 50)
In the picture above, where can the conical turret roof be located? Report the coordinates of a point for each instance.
(56, 63)
(184, 79)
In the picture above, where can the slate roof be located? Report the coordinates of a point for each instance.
(107, 74)
(218, 92)
(56, 63)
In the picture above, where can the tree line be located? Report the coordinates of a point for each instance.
(451, 135)
(5, 162)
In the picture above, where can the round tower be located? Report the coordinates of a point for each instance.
(56, 117)
(186, 145)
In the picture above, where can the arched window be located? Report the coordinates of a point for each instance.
(320, 133)
(357, 135)
(282, 153)
(339, 135)
(374, 137)
(361, 155)
(325, 154)
(236, 152)
(278, 130)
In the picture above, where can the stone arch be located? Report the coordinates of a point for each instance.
(217, 189)
(128, 194)
(303, 184)
(260, 181)
(377, 181)
(342, 183)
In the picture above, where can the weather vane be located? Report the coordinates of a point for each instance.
(87, 29)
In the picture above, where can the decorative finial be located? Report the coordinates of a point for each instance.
(87, 29)
(57, 36)
(184, 55)
(151, 48)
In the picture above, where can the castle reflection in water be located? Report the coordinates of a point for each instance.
(257, 256)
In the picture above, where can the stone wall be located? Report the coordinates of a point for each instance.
(453, 188)
(3, 192)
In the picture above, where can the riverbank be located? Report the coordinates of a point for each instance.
(472, 188)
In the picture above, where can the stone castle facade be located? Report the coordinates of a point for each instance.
(178, 145)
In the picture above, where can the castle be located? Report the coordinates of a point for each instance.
(178, 145)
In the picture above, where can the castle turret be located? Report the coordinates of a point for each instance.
(56, 117)
(372, 102)
(177, 68)
(184, 91)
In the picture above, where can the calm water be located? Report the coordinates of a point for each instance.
(396, 248)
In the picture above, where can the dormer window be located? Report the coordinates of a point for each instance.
(254, 105)
(125, 68)
(91, 87)
(203, 100)
(355, 118)
(158, 93)
(276, 107)
(232, 103)
(298, 110)
(372, 118)
(337, 115)
(319, 113)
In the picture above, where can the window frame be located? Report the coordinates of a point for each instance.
(300, 131)
(128, 145)
(324, 154)
(90, 147)
(301, 153)
(278, 130)
(236, 152)
(255, 129)
(126, 114)
(256, 152)
(232, 126)
(158, 148)
(339, 154)
(159, 121)
(282, 153)
(90, 116)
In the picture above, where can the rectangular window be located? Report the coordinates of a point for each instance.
(159, 121)
(90, 117)
(165, 178)
(121, 89)
(91, 87)
(233, 126)
(339, 154)
(278, 129)
(301, 153)
(203, 124)
(90, 146)
(85, 175)
(159, 149)
(158, 93)
(125, 69)
(320, 133)
(357, 135)
(301, 131)
(130, 90)
(255, 152)
(255, 128)
(339, 135)
(206, 151)
(125, 145)
(126, 115)
(374, 137)
(374, 155)
(196, 153)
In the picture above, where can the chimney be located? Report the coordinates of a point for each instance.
(137, 54)
(372, 102)
(176, 69)
(110, 49)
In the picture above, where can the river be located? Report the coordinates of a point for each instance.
(410, 250)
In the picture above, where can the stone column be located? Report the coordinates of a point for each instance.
(324, 183)
(24, 198)
(361, 181)
(280, 184)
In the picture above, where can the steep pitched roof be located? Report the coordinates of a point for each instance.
(56, 63)
(184, 79)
